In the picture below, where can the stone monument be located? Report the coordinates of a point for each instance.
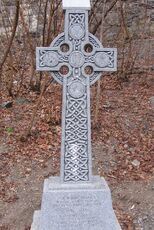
(76, 200)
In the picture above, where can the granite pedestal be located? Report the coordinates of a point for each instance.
(85, 206)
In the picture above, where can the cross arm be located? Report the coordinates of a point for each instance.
(49, 59)
(105, 59)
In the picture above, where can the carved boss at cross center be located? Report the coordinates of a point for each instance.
(76, 59)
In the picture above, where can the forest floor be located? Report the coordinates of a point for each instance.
(122, 150)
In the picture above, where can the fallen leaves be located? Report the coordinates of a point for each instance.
(124, 126)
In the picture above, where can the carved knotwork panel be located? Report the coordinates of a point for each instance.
(51, 59)
(76, 60)
(76, 158)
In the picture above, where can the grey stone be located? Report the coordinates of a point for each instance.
(22, 100)
(7, 104)
(76, 200)
(152, 101)
(85, 58)
(74, 207)
(36, 221)
(136, 163)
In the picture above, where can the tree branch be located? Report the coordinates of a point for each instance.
(15, 24)
(105, 15)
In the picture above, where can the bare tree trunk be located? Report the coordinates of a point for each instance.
(123, 23)
(105, 15)
(30, 44)
(15, 24)
(53, 8)
(45, 22)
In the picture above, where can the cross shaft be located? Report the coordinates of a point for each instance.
(84, 59)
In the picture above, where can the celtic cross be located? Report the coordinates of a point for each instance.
(76, 60)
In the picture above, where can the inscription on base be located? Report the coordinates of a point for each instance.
(76, 210)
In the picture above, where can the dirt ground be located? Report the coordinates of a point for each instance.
(122, 151)
(133, 200)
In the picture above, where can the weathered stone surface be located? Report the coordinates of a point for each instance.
(76, 207)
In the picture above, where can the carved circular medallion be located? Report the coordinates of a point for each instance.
(50, 58)
(76, 59)
(76, 31)
(76, 89)
(102, 59)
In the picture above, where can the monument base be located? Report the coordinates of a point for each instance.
(85, 206)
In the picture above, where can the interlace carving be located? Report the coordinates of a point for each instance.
(76, 139)
(84, 67)
(78, 18)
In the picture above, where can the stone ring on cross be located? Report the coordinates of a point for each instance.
(76, 53)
